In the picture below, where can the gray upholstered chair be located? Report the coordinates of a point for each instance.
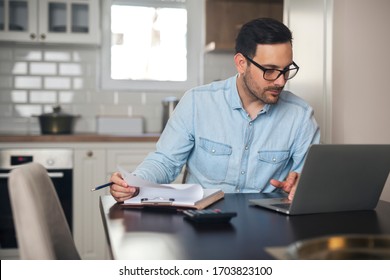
(41, 227)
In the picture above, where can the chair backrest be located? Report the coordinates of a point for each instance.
(41, 227)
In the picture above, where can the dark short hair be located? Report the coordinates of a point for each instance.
(261, 31)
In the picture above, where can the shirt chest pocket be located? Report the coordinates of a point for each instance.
(213, 159)
(273, 157)
(270, 165)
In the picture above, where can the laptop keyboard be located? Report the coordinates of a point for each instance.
(282, 205)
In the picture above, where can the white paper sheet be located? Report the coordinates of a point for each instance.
(175, 193)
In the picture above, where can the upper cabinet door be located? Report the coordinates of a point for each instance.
(18, 20)
(224, 19)
(69, 21)
(50, 21)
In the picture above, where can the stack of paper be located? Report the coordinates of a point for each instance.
(176, 195)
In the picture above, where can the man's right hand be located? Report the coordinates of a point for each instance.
(120, 190)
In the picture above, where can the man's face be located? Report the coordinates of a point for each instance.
(276, 56)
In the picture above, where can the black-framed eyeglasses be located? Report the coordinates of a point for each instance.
(270, 74)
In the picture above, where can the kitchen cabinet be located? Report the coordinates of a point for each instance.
(50, 21)
(93, 164)
(128, 157)
(224, 19)
(88, 231)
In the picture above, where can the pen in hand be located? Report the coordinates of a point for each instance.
(102, 186)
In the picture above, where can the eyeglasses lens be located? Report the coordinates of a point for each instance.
(273, 74)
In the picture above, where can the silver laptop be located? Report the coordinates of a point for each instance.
(336, 178)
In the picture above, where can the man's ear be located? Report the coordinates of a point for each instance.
(240, 62)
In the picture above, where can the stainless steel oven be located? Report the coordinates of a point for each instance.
(59, 164)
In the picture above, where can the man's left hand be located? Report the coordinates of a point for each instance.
(289, 185)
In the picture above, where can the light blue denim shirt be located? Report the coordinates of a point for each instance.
(224, 148)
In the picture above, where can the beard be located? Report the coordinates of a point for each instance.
(267, 95)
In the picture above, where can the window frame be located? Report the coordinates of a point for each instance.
(195, 46)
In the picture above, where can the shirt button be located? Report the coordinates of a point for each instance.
(213, 151)
(242, 172)
(246, 147)
(274, 159)
(250, 123)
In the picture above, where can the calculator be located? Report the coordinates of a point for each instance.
(208, 216)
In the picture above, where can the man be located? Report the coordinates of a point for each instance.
(244, 134)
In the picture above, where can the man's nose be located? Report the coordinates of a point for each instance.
(280, 81)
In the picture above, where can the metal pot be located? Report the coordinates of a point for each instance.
(57, 122)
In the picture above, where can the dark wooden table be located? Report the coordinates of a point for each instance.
(151, 234)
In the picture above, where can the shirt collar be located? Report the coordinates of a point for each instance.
(235, 101)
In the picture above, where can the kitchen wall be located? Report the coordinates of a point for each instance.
(361, 59)
(342, 48)
(35, 77)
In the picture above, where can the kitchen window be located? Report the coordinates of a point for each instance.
(152, 45)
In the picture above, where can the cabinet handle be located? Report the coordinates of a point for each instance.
(33, 36)
(51, 175)
(43, 36)
(89, 154)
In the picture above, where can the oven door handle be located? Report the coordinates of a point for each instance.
(56, 174)
(51, 175)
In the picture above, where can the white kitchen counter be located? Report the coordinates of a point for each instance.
(78, 137)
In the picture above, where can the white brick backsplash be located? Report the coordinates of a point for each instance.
(153, 125)
(84, 55)
(113, 110)
(5, 54)
(19, 68)
(28, 110)
(15, 125)
(13, 68)
(43, 68)
(66, 97)
(27, 54)
(6, 68)
(78, 83)
(84, 111)
(57, 56)
(13, 96)
(129, 98)
(6, 82)
(26, 82)
(104, 97)
(71, 97)
(85, 124)
(71, 69)
(65, 108)
(35, 77)
(156, 98)
(43, 96)
(148, 111)
(19, 96)
(83, 83)
(57, 83)
(49, 109)
(5, 110)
